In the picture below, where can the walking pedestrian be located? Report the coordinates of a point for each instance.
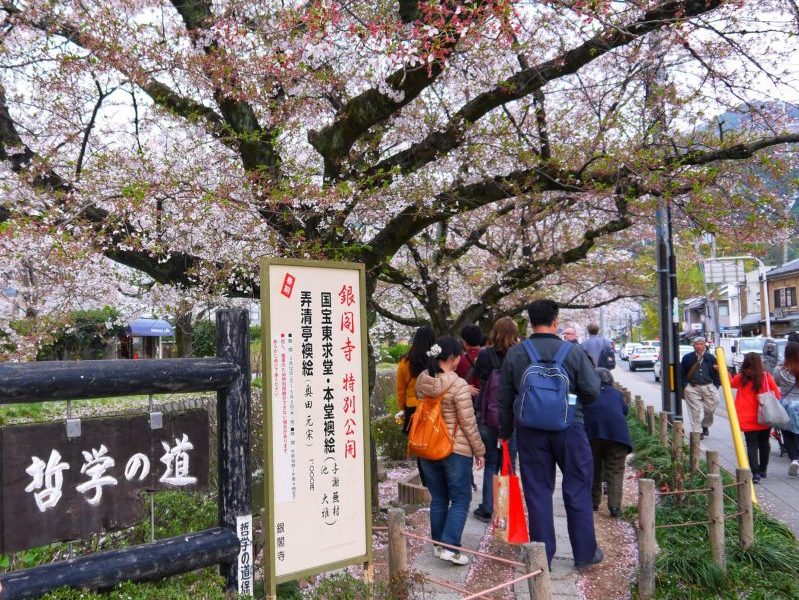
(449, 479)
(700, 376)
(504, 335)
(472, 337)
(751, 381)
(598, 347)
(408, 369)
(786, 377)
(540, 451)
(570, 335)
(609, 436)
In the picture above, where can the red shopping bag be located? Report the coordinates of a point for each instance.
(510, 525)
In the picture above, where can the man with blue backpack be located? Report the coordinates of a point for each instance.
(544, 384)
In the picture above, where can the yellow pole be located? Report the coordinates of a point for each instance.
(737, 438)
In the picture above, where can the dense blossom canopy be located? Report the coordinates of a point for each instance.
(478, 146)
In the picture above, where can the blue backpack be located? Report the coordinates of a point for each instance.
(544, 401)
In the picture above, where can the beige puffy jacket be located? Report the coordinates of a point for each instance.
(456, 406)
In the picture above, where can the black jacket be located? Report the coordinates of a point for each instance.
(689, 360)
(583, 379)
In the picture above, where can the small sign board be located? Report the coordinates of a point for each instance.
(731, 331)
(724, 272)
(57, 488)
(246, 566)
(316, 417)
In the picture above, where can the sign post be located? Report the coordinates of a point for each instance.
(316, 418)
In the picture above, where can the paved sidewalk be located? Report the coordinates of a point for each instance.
(564, 576)
(776, 495)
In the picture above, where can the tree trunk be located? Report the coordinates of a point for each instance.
(183, 328)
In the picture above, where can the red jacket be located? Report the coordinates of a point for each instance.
(466, 364)
(746, 401)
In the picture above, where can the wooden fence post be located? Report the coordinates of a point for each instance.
(650, 419)
(397, 553)
(233, 419)
(676, 458)
(535, 558)
(664, 428)
(647, 546)
(627, 397)
(695, 451)
(712, 459)
(715, 515)
(640, 409)
(746, 517)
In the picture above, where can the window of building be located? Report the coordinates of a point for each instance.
(784, 297)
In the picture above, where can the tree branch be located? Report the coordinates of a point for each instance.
(526, 81)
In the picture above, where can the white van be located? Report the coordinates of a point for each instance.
(743, 347)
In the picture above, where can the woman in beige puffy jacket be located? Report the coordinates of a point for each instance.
(449, 480)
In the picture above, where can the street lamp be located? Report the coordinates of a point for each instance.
(762, 275)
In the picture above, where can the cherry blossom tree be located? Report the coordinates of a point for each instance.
(184, 139)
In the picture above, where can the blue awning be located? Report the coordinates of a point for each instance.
(151, 328)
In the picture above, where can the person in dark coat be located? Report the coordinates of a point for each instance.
(610, 441)
(541, 451)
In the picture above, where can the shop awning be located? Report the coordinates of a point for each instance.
(151, 328)
(751, 319)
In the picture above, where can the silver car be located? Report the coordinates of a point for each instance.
(657, 366)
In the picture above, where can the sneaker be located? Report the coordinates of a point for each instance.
(456, 558)
(615, 512)
(793, 468)
(755, 478)
(437, 551)
(481, 515)
(599, 555)
(705, 432)
(763, 475)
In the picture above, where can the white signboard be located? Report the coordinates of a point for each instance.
(724, 271)
(245, 564)
(316, 412)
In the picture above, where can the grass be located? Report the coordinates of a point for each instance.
(769, 570)
(14, 414)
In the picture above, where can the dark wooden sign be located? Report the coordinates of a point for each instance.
(57, 488)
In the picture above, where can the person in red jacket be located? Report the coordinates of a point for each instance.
(751, 381)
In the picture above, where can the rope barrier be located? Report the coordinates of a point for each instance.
(686, 524)
(466, 550)
(449, 585)
(734, 515)
(672, 493)
(736, 484)
(504, 585)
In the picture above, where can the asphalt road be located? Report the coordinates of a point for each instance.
(778, 494)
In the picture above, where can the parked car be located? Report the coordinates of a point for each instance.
(643, 356)
(625, 350)
(743, 347)
(657, 366)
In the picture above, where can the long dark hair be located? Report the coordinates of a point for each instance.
(417, 353)
(447, 347)
(791, 363)
(752, 371)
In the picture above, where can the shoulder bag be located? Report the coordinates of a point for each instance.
(769, 410)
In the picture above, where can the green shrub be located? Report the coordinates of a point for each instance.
(397, 351)
(388, 438)
(203, 339)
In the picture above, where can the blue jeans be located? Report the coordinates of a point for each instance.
(449, 482)
(492, 466)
